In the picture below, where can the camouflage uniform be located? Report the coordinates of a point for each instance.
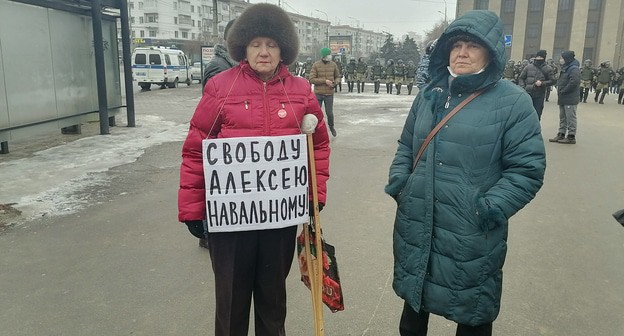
(360, 74)
(377, 74)
(389, 75)
(307, 66)
(399, 75)
(350, 73)
(410, 76)
(604, 75)
(292, 68)
(587, 78)
(620, 74)
(509, 72)
(341, 70)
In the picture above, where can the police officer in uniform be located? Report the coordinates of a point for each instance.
(389, 75)
(588, 73)
(410, 75)
(399, 75)
(350, 73)
(604, 76)
(360, 74)
(341, 70)
(377, 74)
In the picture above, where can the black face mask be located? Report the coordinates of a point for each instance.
(538, 62)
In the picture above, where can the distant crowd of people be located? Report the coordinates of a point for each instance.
(601, 80)
(357, 73)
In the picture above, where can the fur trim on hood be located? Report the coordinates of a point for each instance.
(264, 20)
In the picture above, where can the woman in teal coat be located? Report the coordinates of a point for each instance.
(484, 165)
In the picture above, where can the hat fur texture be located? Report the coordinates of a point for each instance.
(263, 20)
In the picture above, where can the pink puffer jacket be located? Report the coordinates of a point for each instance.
(249, 108)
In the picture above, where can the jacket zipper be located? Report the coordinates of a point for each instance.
(448, 101)
(266, 109)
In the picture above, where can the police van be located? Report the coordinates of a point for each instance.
(161, 66)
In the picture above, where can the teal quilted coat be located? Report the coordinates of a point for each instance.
(487, 163)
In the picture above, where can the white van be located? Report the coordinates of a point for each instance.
(161, 66)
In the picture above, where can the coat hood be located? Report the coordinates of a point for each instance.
(487, 28)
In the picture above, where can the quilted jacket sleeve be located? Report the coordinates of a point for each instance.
(523, 160)
(321, 148)
(204, 124)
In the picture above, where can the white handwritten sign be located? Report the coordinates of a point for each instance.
(255, 183)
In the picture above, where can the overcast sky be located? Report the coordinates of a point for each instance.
(395, 16)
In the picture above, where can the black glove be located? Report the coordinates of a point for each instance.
(196, 228)
(320, 206)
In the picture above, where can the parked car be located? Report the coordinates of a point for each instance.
(196, 72)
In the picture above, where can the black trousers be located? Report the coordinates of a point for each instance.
(416, 324)
(251, 264)
(538, 104)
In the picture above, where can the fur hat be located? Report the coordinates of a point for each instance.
(541, 53)
(263, 20)
(568, 56)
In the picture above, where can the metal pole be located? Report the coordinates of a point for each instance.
(127, 62)
(98, 45)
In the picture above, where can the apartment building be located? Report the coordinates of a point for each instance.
(356, 42)
(592, 28)
(190, 23)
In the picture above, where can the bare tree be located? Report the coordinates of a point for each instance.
(436, 31)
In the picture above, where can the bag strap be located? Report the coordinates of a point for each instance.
(442, 122)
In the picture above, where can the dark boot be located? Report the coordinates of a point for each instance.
(363, 87)
(398, 87)
(391, 88)
(582, 93)
(604, 92)
(585, 94)
(620, 94)
(596, 96)
(358, 86)
(387, 88)
(409, 89)
(559, 136)
(571, 139)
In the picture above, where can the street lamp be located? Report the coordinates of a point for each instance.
(327, 19)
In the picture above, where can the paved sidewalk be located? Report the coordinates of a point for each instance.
(118, 263)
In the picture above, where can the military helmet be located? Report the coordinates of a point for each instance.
(390, 61)
(587, 62)
(377, 61)
(400, 61)
(511, 62)
(410, 62)
(309, 59)
(352, 59)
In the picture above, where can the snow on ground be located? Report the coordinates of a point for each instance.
(47, 183)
